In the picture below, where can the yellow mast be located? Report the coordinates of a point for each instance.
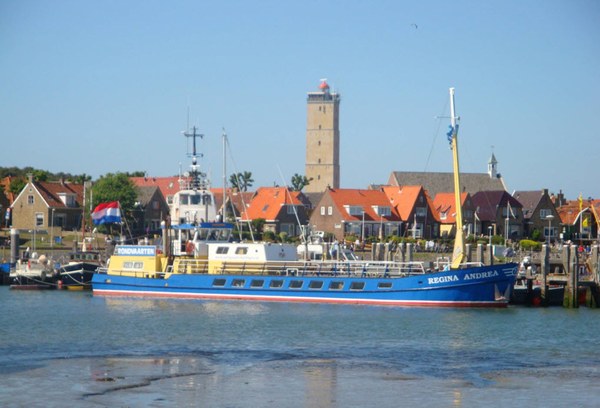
(458, 255)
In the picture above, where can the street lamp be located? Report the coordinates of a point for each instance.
(549, 218)
(362, 229)
(52, 231)
(490, 235)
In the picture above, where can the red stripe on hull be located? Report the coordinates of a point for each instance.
(465, 304)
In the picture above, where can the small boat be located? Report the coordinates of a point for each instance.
(197, 259)
(78, 271)
(33, 272)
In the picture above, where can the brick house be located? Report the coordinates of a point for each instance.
(46, 205)
(499, 213)
(445, 207)
(539, 213)
(282, 209)
(362, 213)
(415, 208)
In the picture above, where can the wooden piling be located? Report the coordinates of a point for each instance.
(571, 265)
(479, 256)
(545, 269)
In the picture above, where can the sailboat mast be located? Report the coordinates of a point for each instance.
(458, 255)
(224, 208)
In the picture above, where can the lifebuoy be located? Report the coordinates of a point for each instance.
(189, 247)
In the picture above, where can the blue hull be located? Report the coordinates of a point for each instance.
(487, 286)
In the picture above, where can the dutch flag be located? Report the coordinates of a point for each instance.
(106, 213)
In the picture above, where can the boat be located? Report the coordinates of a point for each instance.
(33, 272)
(78, 271)
(197, 258)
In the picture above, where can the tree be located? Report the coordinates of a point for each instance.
(299, 182)
(241, 181)
(16, 185)
(116, 187)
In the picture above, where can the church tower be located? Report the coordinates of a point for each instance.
(322, 139)
(493, 167)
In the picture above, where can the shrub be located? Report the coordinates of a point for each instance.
(528, 245)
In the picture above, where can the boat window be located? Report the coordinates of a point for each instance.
(295, 284)
(195, 199)
(203, 234)
(277, 283)
(224, 236)
(222, 250)
(241, 250)
(238, 283)
(315, 284)
(257, 283)
(133, 265)
(357, 286)
(336, 285)
(384, 285)
(183, 199)
(219, 282)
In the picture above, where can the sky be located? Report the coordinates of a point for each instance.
(100, 87)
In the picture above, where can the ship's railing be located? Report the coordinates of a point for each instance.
(129, 272)
(324, 268)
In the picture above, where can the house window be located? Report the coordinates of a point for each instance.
(421, 211)
(330, 210)
(30, 199)
(544, 213)
(355, 210)
(322, 210)
(291, 209)
(288, 229)
(39, 219)
(382, 211)
(468, 213)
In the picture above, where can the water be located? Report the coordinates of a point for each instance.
(61, 348)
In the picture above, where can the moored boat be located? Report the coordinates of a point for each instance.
(78, 271)
(198, 260)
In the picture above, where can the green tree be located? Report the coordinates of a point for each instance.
(241, 181)
(116, 187)
(41, 175)
(16, 185)
(299, 182)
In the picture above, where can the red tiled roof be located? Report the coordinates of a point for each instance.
(50, 192)
(569, 212)
(367, 199)
(403, 199)
(168, 186)
(267, 202)
(444, 202)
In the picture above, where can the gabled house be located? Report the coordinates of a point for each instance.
(445, 207)
(282, 209)
(415, 208)
(362, 213)
(45, 205)
(168, 186)
(579, 220)
(498, 213)
(150, 210)
(6, 200)
(235, 202)
(539, 213)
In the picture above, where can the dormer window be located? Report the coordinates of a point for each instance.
(354, 209)
(382, 211)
